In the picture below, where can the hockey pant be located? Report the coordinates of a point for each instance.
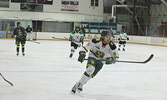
(122, 43)
(18, 41)
(93, 67)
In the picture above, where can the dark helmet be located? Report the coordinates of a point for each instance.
(77, 27)
(18, 23)
(105, 33)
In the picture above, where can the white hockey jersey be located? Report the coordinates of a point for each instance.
(77, 37)
(123, 36)
(100, 51)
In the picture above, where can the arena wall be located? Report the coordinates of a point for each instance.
(159, 41)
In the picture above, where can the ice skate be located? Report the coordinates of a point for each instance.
(17, 53)
(74, 88)
(77, 87)
(80, 89)
(23, 54)
(71, 55)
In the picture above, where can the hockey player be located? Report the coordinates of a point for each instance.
(100, 49)
(20, 34)
(122, 39)
(76, 38)
(29, 33)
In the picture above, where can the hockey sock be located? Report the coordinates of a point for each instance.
(72, 50)
(17, 48)
(87, 75)
(84, 79)
(119, 47)
(22, 47)
(123, 48)
(82, 43)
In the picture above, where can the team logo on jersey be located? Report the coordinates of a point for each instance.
(92, 62)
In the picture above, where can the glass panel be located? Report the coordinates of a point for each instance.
(57, 26)
(92, 2)
(96, 2)
(7, 27)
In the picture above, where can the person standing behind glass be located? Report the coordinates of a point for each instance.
(83, 31)
(112, 34)
(29, 33)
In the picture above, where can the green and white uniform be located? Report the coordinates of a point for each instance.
(101, 51)
(76, 39)
(123, 36)
(122, 40)
(98, 52)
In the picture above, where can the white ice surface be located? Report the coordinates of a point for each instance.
(47, 73)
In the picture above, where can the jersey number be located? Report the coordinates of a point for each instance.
(99, 54)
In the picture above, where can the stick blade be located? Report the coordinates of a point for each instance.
(139, 62)
(152, 55)
(6, 80)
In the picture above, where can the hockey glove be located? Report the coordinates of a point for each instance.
(81, 39)
(127, 38)
(116, 56)
(81, 57)
(110, 60)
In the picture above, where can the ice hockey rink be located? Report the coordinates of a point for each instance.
(47, 73)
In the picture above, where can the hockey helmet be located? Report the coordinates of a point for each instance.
(18, 23)
(105, 33)
(77, 27)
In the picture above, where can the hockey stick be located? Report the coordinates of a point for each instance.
(6, 80)
(35, 42)
(140, 62)
(60, 38)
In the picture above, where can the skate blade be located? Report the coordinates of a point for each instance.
(78, 91)
(73, 92)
